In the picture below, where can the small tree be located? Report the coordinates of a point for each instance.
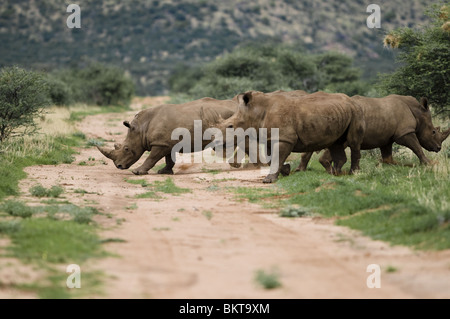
(425, 61)
(23, 95)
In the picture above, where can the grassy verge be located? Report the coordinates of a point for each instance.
(402, 204)
(78, 114)
(54, 233)
(16, 154)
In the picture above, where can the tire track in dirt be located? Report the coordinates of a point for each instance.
(172, 248)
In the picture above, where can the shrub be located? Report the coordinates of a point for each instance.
(268, 280)
(17, 209)
(94, 84)
(60, 92)
(40, 191)
(268, 68)
(424, 56)
(23, 95)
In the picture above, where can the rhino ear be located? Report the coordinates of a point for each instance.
(445, 134)
(424, 102)
(244, 99)
(127, 124)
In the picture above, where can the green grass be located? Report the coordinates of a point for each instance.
(95, 142)
(83, 191)
(16, 208)
(293, 211)
(268, 197)
(44, 239)
(211, 171)
(16, 154)
(395, 203)
(167, 186)
(268, 280)
(40, 191)
(80, 115)
(405, 204)
(149, 194)
(208, 214)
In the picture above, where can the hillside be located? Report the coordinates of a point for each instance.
(149, 38)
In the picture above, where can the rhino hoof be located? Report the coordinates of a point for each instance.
(285, 170)
(139, 172)
(167, 171)
(270, 179)
(235, 165)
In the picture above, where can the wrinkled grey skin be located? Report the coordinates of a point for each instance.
(306, 123)
(395, 118)
(151, 130)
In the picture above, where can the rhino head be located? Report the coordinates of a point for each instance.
(243, 118)
(430, 137)
(126, 154)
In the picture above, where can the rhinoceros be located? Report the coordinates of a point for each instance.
(305, 122)
(394, 118)
(151, 130)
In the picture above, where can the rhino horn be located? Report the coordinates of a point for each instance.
(445, 134)
(107, 152)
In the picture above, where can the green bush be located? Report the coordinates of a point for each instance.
(60, 92)
(269, 68)
(23, 95)
(17, 209)
(40, 191)
(94, 84)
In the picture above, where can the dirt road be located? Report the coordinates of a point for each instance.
(207, 244)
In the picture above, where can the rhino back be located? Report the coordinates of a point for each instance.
(386, 119)
(313, 121)
(172, 116)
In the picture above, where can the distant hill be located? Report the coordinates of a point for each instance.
(149, 38)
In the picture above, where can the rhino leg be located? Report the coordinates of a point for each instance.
(339, 158)
(285, 170)
(284, 149)
(169, 165)
(326, 160)
(306, 157)
(355, 157)
(410, 140)
(156, 154)
(386, 154)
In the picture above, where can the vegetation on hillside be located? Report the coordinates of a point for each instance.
(148, 38)
(269, 68)
(94, 84)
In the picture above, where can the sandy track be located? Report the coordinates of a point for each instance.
(172, 250)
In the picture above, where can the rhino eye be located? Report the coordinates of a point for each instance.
(230, 126)
(434, 132)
